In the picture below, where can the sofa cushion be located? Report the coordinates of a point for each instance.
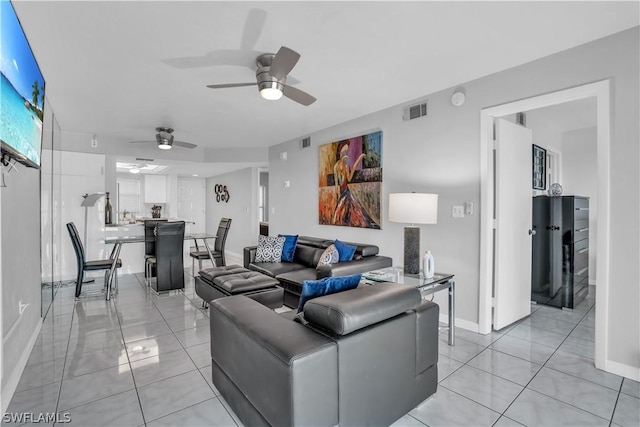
(344, 250)
(355, 309)
(269, 249)
(307, 256)
(289, 247)
(244, 282)
(329, 285)
(329, 256)
(210, 274)
(273, 269)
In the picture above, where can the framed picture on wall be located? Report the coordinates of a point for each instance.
(539, 168)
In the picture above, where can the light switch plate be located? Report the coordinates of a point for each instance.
(457, 211)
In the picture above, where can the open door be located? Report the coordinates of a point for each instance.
(512, 276)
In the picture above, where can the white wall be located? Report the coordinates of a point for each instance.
(78, 174)
(242, 208)
(20, 270)
(579, 178)
(441, 154)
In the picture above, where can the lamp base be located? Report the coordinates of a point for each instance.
(411, 250)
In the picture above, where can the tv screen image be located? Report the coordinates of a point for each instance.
(21, 92)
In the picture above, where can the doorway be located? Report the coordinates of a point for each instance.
(599, 90)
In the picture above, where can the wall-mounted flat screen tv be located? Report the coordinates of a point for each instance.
(21, 93)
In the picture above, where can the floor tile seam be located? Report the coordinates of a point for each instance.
(172, 376)
(550, 316)
(580, 378)
(465, 340)
(498, 376)
(560, 334)
(133, 378)
(568, 404)
(182, 409)
(205, 380)
(630, 395)
(409, 415)
(521, 358)
(64, 365)
(555, 320)
(93, 372)
(468, 398)
(94, 400)
(526, 340)
(146, 338)
(539, 367)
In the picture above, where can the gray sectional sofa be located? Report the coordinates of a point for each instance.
(291, 275)
(366, 356)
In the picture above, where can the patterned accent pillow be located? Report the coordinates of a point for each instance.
(329, 256)
(269, 249)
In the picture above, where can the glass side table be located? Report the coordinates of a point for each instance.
(438, 282)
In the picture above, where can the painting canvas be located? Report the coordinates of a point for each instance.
(350, 181)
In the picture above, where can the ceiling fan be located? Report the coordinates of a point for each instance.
(271, 77)
(164, 139)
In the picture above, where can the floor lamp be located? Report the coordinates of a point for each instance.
(89, 201)
(413, 208)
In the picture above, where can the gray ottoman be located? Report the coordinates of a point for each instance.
(219, 282)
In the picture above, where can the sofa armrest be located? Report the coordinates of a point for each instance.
(353, 267)
(427, 323)
(249, 255)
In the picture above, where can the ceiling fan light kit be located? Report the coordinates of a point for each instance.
(164, 139)
(271, 77)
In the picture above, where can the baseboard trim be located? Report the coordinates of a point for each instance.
(461, 323)
(622, 369)
(12, 382)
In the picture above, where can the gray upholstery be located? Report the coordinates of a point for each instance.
(223, 281)
(380, 365)
(211, 273)
(305, 265)
(278, 367)
(345, 312)
(244, 281)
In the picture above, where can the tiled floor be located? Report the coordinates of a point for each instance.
(143, 359)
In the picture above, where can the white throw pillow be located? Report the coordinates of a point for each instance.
(329, 256)
(269, 249)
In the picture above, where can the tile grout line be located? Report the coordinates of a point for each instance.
(126, 350)
(66, 354)
(545, 364)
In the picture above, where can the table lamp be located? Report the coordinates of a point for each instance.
(413, 208)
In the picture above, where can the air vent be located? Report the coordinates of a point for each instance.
(306, 142)
(414, 111)
(521, 119)
(142, 159)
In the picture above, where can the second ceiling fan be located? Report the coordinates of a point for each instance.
(271, 77)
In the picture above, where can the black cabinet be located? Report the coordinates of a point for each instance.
(560, 250)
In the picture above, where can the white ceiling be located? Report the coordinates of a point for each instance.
(118, 69)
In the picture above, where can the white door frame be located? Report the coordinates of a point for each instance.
(600, 90)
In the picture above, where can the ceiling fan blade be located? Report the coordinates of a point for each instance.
(298, 95)
(184, 144)
(231, 85)
(253, 28)
(138, 142)
(283, 62)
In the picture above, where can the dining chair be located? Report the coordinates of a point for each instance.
(150, 244)
(84, 265)
(218, 248)
(168, 259)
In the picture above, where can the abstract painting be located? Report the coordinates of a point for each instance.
(350, 182)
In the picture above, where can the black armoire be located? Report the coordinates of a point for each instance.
(560, 250)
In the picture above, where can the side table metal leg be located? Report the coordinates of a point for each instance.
(452, 313)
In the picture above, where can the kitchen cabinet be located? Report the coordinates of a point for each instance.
(155, 188)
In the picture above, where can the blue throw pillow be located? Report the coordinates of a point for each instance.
(289, 248)
(329, 285)
(345, 251)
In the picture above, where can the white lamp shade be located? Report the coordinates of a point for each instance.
(413, 208)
